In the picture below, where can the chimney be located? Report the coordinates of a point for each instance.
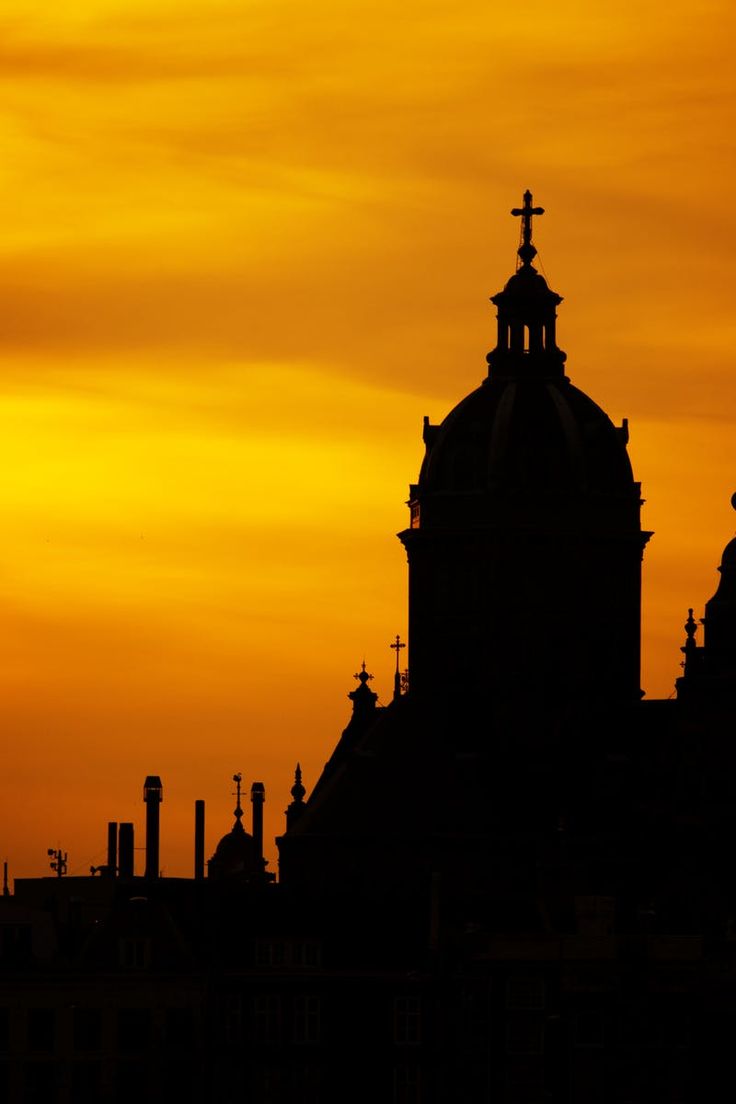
(258, 796)
(153, 796)
(126, 853)
(112, 848)
(199, 840)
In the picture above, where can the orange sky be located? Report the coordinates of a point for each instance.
(245, 247)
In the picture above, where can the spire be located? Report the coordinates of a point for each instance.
(297, 790)
(527, 311)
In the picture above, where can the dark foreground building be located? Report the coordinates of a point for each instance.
(513, 884)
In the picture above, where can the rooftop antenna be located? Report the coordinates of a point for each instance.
(58, 861)
(6, 887)
(238, 811)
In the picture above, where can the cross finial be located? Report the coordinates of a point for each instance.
(363, 677)
(526, 250)
(397, 646)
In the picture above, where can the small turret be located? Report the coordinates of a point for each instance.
(363, 699)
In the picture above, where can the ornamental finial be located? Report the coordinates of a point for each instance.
(363, 677)
(297, 790)
(526, 250)
(238, 811)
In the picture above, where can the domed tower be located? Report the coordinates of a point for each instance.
(239, 855)
(525, 542)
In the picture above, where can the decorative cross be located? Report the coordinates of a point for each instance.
(527, 252)
(397, 646)
(363, 676)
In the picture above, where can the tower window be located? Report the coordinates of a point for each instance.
(407, 1020)
(526, 339)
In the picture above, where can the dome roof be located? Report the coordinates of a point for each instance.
(530, 286)
(534, 435)
(234, 854)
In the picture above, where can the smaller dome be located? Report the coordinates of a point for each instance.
(526, 282)
(234, 855)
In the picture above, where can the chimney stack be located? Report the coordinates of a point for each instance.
(112, 848)
(153, 796)
(258, 796)
(126, 853)
(199, 840)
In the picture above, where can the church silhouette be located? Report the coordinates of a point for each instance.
(512, 884)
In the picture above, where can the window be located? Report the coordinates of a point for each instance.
(232, 1018)
(407, 1021)
(595, 915)
(678, 1028)
(179, 1028)
(134, 1027)
(267, 1018)
(524, 1034)
(270, 952)
(130, 1082)
(40, 1081)
(134, 953)
(588, 1029)
(306, 953)
(306, 1084)
(41, 1029)
(525, 992)
(87, 1028)
(86, 1079)
(307, 1016)
(407, 1084)
(15, 943)
(415, 515)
